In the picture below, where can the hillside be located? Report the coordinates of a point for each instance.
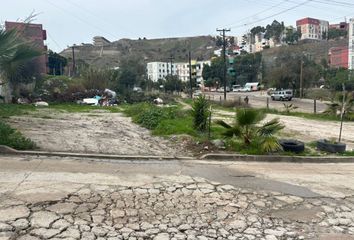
(202, 48)
(317, 50)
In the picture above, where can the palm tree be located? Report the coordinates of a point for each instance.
(335, 107)
(14, 54)
(248, 128)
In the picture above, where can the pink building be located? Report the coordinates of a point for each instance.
(338, 57)
(35, 34)
(312, 28)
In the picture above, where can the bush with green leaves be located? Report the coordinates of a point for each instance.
(12, 138)
(247, 129)
(149, 115)
(200, 113)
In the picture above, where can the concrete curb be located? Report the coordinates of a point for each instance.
(9, 150)
(207, 157)
(277, 158)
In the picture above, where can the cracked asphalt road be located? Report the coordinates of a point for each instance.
(67, 198)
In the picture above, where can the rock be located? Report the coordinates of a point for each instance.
(145, 226)
(28, 237)
(117, 213)
(43, 219)
(271, 237)
(61, 224)
(162, 236)
(99, 231)
(277, 233)
(13, 213)
(70, 233)
(239, 225)
(20, 224)
(184, 227)
(5, 227)
(131, 212)
(252, 231)
(45, 233)
(62, 208)
(88, 236)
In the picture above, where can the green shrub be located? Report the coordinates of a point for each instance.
(200, 113)
(149, 115)
(12, 138)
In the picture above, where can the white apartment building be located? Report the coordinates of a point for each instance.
(160, 70)
(351, 44)
(312, 28)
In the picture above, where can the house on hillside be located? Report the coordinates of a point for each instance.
(312, 28)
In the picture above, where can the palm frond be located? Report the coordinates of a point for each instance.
(270, 128)
(223, 124)
(270, 144)
(246, 117)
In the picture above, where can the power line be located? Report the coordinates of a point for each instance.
(95, 16)
(55, 42)
(80, 19)
(273, 15)
(335, 3)
(263, 11)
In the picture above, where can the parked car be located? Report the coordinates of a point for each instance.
(245, 89)
(236, 88)
(282, 95)
(221, 89)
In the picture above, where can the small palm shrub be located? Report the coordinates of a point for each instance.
(289, 107)
(247, 129)
(200, 113)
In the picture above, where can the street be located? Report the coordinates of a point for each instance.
(74, 198)
(259, 100)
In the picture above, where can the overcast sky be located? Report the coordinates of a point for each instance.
(78, 21)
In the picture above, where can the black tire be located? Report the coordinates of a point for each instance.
(290, 99)
(273, 99)
(290, 145)
(327, 146)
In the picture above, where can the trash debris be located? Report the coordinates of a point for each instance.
(158, 101)
(41, 104)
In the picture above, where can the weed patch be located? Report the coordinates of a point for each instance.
(12, 138)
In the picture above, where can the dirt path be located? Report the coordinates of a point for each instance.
(96, 132)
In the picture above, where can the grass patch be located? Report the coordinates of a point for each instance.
(175, 127)
(163, 121)
(8, 110)
(12, 138)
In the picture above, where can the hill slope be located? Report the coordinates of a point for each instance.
(202, 48)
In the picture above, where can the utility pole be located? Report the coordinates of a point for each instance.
(222, 33)
(171, 62)
(190, 73)
(74, 64)
(171, 73)
(301, 77)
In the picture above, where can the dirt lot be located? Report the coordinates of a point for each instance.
(305, 129)
(95, 132)
(113, 133)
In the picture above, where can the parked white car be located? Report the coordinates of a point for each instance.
(282, 95)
